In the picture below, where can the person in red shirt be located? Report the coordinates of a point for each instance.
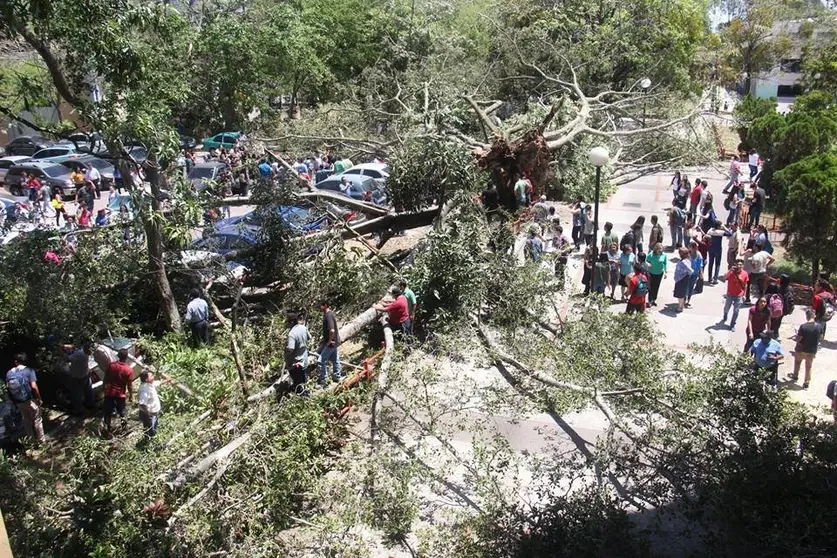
(737, 280)
(637, 290)
(758, 321)
(118, 386)
(399, 317)
(823, 297)
(83, 216)
(694, 199)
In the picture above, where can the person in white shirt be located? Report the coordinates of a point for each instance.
(92, 175)
(734, 173)
(149, 404)
(753, 163)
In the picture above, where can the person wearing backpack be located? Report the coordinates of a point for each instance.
(807, 339)
(638, 286)
(823, 303)
(22, 387)
(630, 239)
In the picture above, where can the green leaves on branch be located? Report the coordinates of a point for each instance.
(428, 171)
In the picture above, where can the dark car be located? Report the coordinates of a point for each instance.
(358, 187)
(57, 176)
(84, 142)
(229, 239)
(27, 145)
(188, 142)
(104, 167)
(203, 172)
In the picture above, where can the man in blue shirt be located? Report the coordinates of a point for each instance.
(264, 169)
(197, 316)
(767, 352)
(22, 387)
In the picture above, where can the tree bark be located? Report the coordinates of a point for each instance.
(152, 223)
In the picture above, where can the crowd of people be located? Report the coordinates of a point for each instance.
(400, 317)
(699, 245)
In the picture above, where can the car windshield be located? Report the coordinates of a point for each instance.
(99, 163)
(54, 171)
(202, 172)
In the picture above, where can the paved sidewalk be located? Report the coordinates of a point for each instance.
(650, 196)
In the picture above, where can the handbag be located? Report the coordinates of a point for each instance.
(698, 285)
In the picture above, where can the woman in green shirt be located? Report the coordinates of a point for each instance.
(656, 261)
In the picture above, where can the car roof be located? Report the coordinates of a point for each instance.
(210, 165)
(383, 167)
(15, 158)
(336, 178)
(38, 165)
(248, 232)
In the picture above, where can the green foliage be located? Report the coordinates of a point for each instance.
(612, 45)
(430, 171)
(584, 523)
(748, 111)
(91, 290)
(811, 127)
(810, 199)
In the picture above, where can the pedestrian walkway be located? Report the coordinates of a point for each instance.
(651, 195)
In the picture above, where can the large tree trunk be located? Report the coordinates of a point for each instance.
(152, 224)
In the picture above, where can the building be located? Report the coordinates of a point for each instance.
(784, 79)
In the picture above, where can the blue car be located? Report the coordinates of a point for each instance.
(227, 239)
(299, 220)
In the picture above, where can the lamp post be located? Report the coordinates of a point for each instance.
(598, 156)
(645, 84)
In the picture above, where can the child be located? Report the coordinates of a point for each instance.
(149, 404)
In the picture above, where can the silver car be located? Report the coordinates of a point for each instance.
(7, 162)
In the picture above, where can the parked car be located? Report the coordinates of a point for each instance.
(357, 189)
(105, 168)
(7, 162)
(378, 171)
(136, 150)
(27, 145)
(299, 220)
(223, 139)
(57, 176)
(188, 142)
(229, 239)
(55, 153)
(203, 172)
(84, 142)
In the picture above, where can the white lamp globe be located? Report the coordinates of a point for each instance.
(598, 156)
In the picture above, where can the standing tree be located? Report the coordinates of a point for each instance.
(135, 54)
(750, 42)
(810, 187)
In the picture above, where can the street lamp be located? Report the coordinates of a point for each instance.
(645, 84)
(598, 156)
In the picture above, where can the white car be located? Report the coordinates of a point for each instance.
(7, 162)
(378, 171)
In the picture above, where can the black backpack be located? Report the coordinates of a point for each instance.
(628, 239)
(829, 391)
(788, 302)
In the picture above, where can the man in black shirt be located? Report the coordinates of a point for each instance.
(807, 339)
(328, 348)
(490, 201)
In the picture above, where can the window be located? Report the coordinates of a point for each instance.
(55, 171)
(791, 65)
(237, 243)
(5, 164)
